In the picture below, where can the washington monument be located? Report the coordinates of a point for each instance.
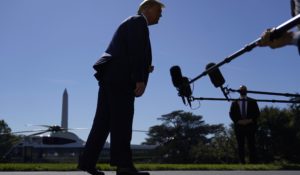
(64, 114)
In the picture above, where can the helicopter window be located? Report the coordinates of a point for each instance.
(56, 141)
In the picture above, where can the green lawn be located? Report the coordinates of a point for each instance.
(149, 167)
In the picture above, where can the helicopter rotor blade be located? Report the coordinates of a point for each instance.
(140, 131)
(39, 133)
(77, 128)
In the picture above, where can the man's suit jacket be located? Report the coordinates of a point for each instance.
(252, 111)
(130, 48)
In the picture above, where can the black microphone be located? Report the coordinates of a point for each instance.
(176, 76)
(182, 84)
(216, 77)
(177, 81)
(186, 90)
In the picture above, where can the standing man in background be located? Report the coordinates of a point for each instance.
(288, 38)
(123, 73)
(244, 113)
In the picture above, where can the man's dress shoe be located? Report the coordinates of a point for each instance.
(92, 171)
(130, 171)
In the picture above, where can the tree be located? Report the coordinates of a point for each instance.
(178, 134)
(7, 140)
(295, 110)
(277, 135)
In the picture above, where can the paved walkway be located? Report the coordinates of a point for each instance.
(165, 173)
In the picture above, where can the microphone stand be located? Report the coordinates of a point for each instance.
(277, 32)
(265, 93)
(228, 90)
(232, 99)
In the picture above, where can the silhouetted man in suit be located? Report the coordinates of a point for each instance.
(243, 113)
(123, 73)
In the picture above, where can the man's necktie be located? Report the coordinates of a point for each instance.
(244, 108)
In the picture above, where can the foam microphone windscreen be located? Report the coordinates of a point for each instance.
(186, 89)
(176, 76)
(215, 75)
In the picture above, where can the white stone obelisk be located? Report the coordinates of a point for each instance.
(64, 114)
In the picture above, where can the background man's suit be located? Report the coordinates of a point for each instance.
(125, 62)
(245, 131)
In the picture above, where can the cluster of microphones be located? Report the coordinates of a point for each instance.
(182, 83)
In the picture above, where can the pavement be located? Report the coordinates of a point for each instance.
(162, 173)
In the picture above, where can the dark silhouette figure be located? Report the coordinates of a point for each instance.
(123, 73)
(244, 113)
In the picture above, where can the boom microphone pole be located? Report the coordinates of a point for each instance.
(276, 33)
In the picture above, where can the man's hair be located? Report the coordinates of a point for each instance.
(147, 5)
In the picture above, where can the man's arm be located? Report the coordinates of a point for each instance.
(286, 39)
(137, 42)
(233, 113)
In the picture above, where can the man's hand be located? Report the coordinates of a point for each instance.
(151, 69)
(245, 121)
(139, 89)
(265, 40)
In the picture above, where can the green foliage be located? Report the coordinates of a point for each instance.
(4, 129)
(220, 149)
(37, 167)
(185, 138)
(148, 167)
(7, 140)
(179, 134)
(277, 135)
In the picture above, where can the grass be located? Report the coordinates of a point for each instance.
(149, 167)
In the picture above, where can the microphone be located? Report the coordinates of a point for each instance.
(186, 90)
(182, 84)
(177, 80)
(176, 76)
(216, 77)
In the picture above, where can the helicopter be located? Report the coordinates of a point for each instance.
(59, 144)
(51, 142)
(55, 143)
